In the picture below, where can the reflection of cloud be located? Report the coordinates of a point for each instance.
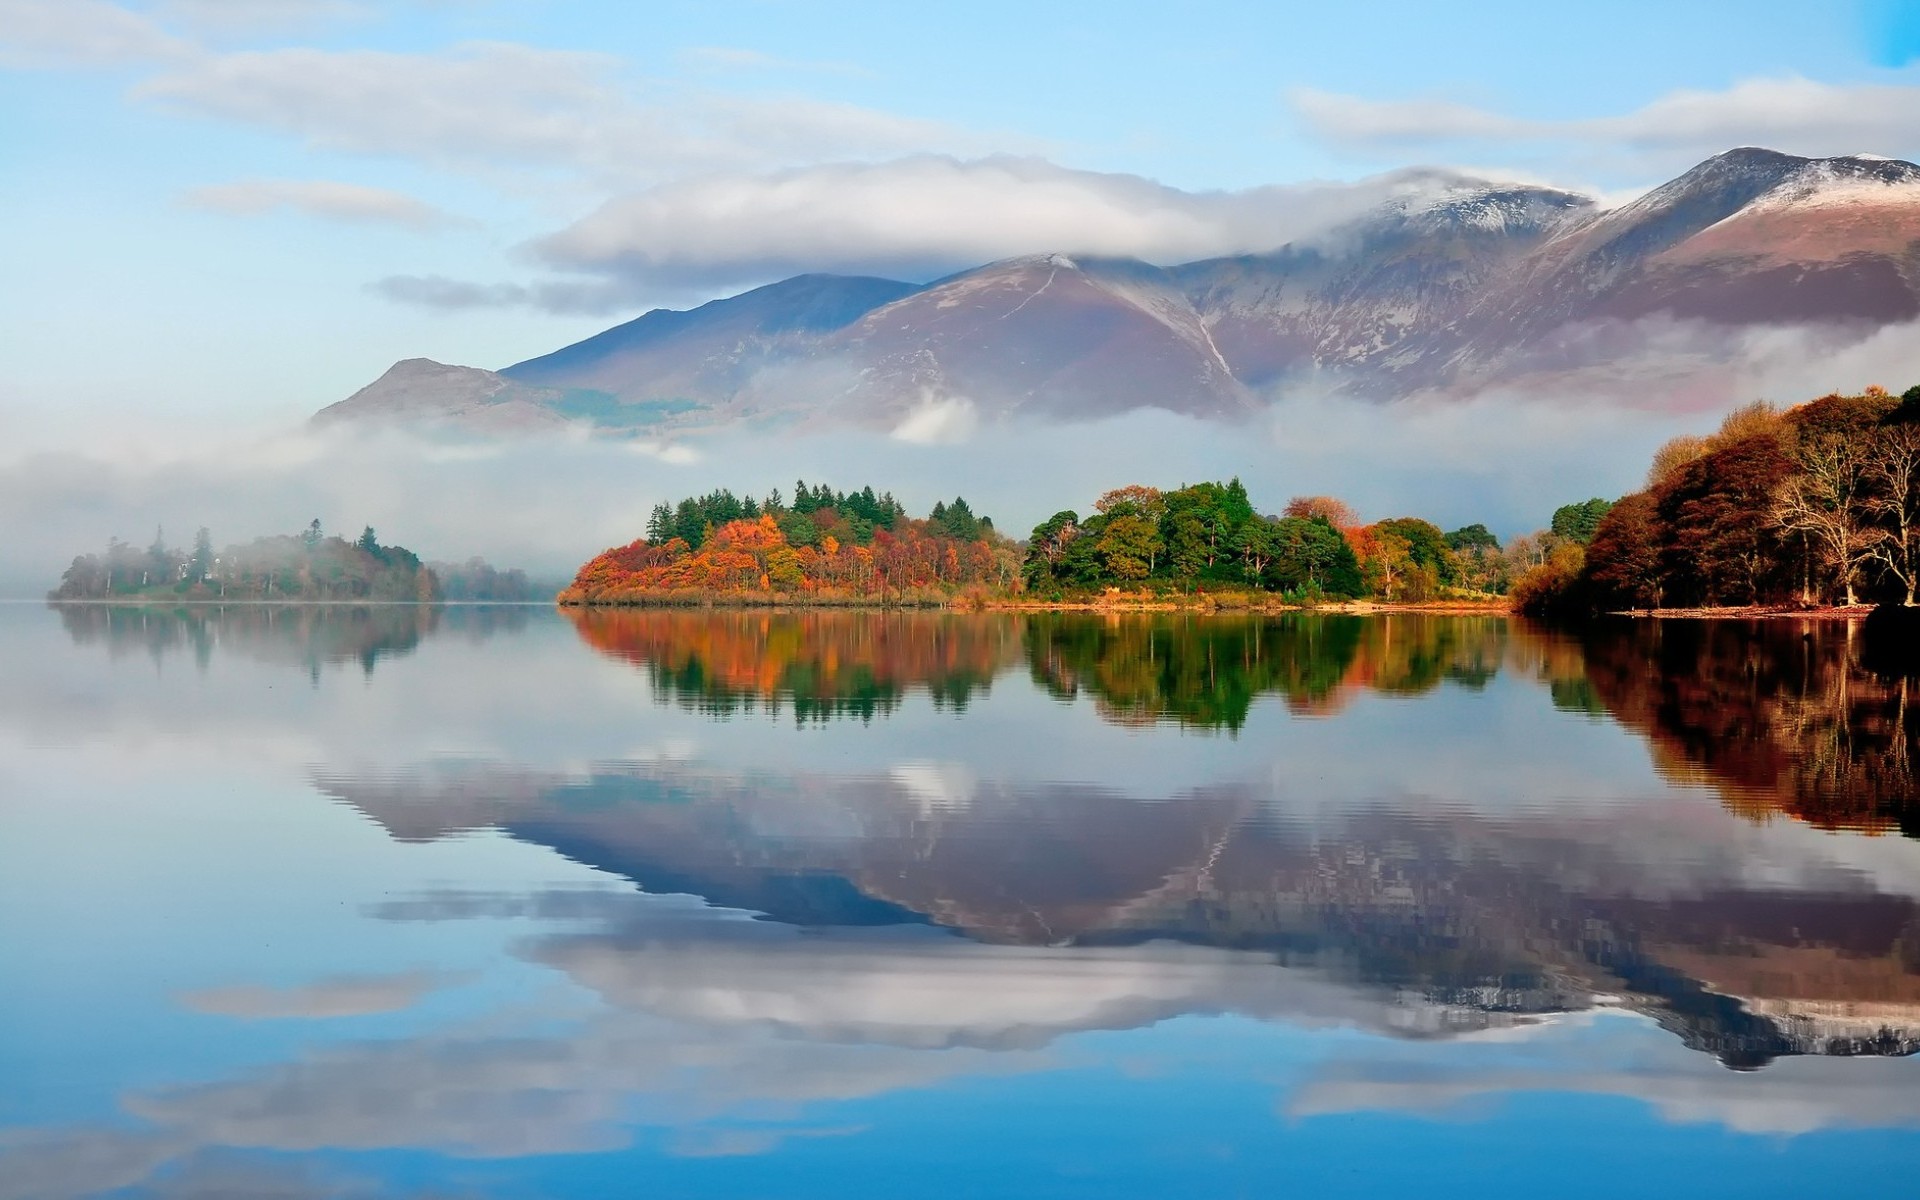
(913, 989)
(1795, 1095)
(738, 1143)
(936, 786)
(341, 996)
(539, 1092)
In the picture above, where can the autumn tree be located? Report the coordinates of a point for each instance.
(1623, 561)
(1824, 504)
(1336, 512)
(1892, 473)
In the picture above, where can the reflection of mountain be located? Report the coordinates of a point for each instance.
(1200, 672)
(1780, 716)
(288, 634)
(1452, 910)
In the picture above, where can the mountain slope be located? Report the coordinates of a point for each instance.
(1467, 285)
(419, 391)
(1049, 335)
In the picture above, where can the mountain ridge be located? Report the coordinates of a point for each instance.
(1469, 283)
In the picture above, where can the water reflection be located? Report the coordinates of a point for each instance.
(821, 664)
(1781, 716)
(1204, 672)
(307, 636)
(556, 904)
(1453, 920)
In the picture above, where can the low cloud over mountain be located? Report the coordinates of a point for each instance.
(1445, 285)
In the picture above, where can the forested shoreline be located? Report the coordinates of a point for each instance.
(308, 567)
(1808, 507)
(1204, 543)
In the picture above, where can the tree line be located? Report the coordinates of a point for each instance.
(309, 565)
(814, 514)
(1208, 536)
(1818, 504)
(1195, 538)
(823, 545)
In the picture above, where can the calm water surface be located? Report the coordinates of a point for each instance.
(503, 903)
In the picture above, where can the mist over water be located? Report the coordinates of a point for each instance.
(1581, 423)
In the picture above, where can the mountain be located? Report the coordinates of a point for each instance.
(1467, 284)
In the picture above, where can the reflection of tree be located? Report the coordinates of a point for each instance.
(824, 664)
(1198, 671)
(1206, 671)
(306, 636)
(1781, 716)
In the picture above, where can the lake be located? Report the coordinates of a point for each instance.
(508, 902)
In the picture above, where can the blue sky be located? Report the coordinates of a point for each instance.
(244, 209)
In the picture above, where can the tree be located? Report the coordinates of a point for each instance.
(1047, 544)
(1146, 501)
(1426, 547)
(1311, 555)
(1823, 504)
(1128, 545)
(1472, 537)
(368, 542)
(1256, 544)
(1677, 453)
(1336, 512)
(1908, 411)
(200, 566)
(1623, 561)
(1387, 563)
(660, 524)
(1720, 548)
(1892, 474)
(1576, 522)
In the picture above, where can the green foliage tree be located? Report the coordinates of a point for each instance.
(1427, 549)
(1472, 537)
(1312, 556)
(1577, 522)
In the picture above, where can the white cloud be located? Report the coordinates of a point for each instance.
(938, 420)
(319, 198)
(255, 16)
(487, 105)
(84, 32)
(590, 297)
(927, 213)
(735, 58)
(1792, 114)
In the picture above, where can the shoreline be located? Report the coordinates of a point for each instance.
(1751, 612)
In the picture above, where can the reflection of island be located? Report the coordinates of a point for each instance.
(1201, 672)
(1470, 919)
(822, 664)
(304, 636)
(1779, 716)
(1205, 671)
